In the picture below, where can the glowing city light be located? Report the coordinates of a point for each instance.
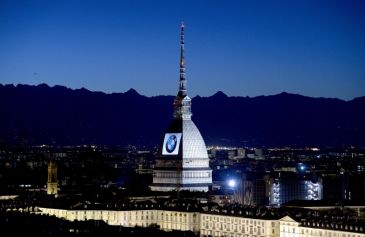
(232, 183)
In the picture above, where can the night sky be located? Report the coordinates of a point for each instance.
(246, 48)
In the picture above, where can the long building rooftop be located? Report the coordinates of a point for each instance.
(334, 219)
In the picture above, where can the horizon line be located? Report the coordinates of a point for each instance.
(219, 92)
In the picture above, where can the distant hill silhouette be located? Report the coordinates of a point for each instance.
(57, 115)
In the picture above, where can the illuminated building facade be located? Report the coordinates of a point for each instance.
(292, 228)
(233, 224)
(182, 162)
(291, 186)
(52, 181)
(238, 226)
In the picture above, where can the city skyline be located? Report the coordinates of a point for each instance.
(195, 118)
(244, 49)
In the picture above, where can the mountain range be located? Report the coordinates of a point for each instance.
(33, 115)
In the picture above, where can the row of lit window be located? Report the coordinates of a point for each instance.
(236, 220)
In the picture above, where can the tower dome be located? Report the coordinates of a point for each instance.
(182, 162)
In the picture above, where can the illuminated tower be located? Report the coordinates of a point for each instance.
(52, 183)
(182, 162)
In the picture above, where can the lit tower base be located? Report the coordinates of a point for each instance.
(182, 162)
(52, 182)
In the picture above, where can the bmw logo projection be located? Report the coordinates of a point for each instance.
(171, 144)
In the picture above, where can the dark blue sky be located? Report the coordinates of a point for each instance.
(247, 48)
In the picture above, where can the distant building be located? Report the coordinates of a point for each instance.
(182, 162)
(52, 182)
(236, 154)
(212, 153)
(254, 190)
(231, 154)
(288, 186)
(346, 186)
(241, 153)
(259, 153)
(250, 189)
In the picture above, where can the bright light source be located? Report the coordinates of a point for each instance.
(301, 167)
(231, 183)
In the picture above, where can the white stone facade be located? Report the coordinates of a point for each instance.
(207, 224)
(167, 220)
(220, 225)
(291, 228)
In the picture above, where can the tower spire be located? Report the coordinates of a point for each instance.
(182, 84)
(182, 102)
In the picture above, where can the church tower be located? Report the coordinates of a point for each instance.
(52, 182)
(182, 162)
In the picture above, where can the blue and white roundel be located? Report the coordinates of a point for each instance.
(171, 143)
